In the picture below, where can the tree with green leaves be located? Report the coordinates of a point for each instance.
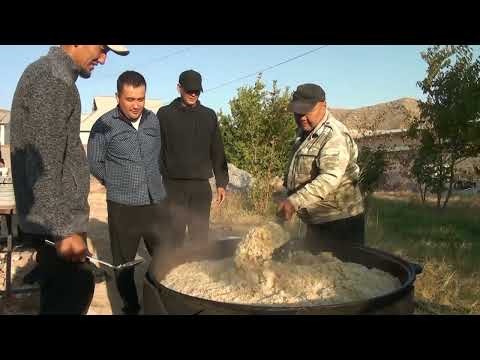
(428, 171)
(448, 128)
(373, 164)
(259, 135)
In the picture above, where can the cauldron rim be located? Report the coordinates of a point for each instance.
(410, 268)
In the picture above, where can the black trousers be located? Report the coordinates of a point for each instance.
(333, 235)
(127, 225)
(189, 203)
(65, 287)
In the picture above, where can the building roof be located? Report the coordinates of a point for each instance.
(103, 104)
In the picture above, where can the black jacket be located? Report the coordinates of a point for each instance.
(192, 145)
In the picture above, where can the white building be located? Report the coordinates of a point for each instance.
(5, 136)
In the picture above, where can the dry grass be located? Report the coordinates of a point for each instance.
(234, 212)
(442, 289)
(444, 242)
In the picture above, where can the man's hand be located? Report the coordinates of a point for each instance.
(221, 194)
(286, 209)
(73, 248)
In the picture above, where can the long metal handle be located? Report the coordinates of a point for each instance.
(51, 243)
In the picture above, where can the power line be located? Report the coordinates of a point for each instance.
(266, 69)
(155, 60)
(160, 59)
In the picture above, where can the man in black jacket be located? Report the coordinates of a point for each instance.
(192, 147)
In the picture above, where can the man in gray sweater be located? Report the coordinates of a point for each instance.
(51, 175)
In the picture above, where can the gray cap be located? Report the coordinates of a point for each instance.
(305, 98)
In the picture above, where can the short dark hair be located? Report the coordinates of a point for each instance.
(132, 78)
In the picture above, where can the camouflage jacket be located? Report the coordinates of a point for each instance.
(322, 176)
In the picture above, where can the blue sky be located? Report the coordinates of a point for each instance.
(352, 76)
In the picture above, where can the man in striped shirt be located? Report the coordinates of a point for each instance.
(124, 155)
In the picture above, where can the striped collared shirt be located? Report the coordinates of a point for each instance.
(126, 160)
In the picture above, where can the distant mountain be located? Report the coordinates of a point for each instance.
(396, 114)
(384, 116)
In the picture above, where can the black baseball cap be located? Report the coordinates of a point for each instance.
(191, 80)
(305, 98)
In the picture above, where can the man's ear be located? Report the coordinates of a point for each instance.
(116, 97)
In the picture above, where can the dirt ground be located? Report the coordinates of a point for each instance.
(106, 300)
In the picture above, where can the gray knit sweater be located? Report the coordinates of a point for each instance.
(49, 165)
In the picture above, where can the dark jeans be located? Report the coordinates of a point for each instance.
(65, 287)
(335, 234)
(189, 203)
(127, 224)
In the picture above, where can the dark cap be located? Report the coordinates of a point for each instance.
(191, 80)
(305, 98)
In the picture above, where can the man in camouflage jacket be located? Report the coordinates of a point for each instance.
(322, 176)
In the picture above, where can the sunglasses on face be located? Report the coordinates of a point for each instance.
(193, 92)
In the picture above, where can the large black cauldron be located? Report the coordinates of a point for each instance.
(159, 299)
